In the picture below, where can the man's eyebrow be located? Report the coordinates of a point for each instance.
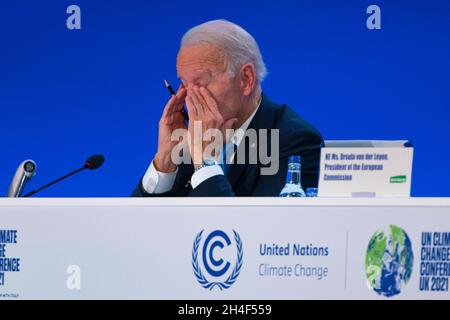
(193, 79)
(184, 81)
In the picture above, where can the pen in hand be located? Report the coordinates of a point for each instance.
(172, 92)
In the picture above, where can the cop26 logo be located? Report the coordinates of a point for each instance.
(215, 267)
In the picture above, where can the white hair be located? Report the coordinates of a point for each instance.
(237, 44)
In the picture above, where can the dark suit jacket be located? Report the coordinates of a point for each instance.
(297, 137)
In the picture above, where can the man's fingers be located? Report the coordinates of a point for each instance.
(196, 101)
(181, 92)
(210, 101)
(169, 106)
(181, 97)
(191, 107)
(207, 96)
(200, 97)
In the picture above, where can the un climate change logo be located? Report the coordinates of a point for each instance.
(213, 259)
(389, 261)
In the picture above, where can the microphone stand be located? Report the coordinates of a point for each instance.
(52, 183)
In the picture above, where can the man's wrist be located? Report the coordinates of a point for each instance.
(164, 164)
(155, 181)
(206, 163)
(205, 173)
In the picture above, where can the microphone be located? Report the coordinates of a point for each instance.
(92, 163)
(24, 173)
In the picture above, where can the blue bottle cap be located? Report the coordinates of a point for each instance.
(295, 159)
(311, 192)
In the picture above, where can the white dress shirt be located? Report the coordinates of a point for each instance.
(155, 181)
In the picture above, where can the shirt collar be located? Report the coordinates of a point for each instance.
(239, 133)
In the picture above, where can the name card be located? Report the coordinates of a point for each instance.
(365, 168)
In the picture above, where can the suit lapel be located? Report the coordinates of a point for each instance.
(263, 119)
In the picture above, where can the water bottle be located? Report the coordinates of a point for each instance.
(293, 186)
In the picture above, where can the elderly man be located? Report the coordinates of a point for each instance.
(221, 69)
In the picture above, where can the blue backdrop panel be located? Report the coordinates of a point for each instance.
(65, 95)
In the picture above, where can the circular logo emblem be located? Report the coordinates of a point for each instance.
(217, 270)
(389, 261)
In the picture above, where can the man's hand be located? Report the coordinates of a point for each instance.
(203, 107)
(171, 119)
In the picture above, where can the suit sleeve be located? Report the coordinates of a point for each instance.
(139, 191)
(180, 187)
(216, 186)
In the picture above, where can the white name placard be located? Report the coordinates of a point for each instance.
(365, 169)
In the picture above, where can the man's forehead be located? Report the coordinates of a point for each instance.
(195, 72)
(199, 59)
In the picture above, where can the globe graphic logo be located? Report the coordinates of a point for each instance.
(389, 261)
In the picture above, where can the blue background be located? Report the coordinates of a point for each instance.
(65, 95)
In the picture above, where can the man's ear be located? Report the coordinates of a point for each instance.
(248, 78)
